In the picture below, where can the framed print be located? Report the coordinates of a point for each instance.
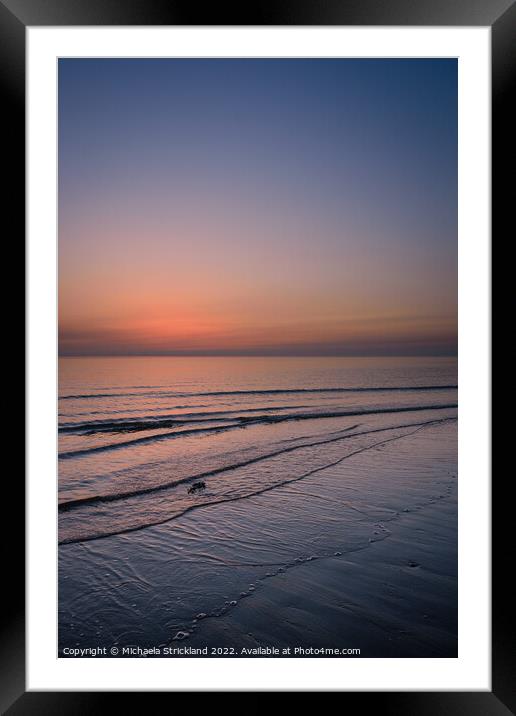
(258, 366)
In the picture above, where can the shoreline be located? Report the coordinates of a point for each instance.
(360, 555)
(371, 585)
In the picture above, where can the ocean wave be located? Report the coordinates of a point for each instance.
(91, 427)
(239, 423)
(66, 505)
(215, 499)
(271, 391)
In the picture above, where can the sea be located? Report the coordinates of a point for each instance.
(183, 482)
(136, 433)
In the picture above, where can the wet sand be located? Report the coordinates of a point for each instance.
(395, 598)
(359, 555)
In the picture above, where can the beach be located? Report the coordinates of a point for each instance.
(257, 373)
(338, 532)
(395, 598)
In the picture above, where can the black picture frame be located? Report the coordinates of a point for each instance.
(15, 17)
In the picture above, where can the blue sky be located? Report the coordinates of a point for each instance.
(258, 206)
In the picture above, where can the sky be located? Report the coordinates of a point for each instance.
(257, 206)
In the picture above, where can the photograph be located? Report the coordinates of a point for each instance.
(258, 253)
(257, 375)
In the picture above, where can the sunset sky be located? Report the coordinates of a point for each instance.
(261, 207)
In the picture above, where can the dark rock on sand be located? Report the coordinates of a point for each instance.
(196, 487)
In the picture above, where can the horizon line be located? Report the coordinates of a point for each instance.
(258, 355)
